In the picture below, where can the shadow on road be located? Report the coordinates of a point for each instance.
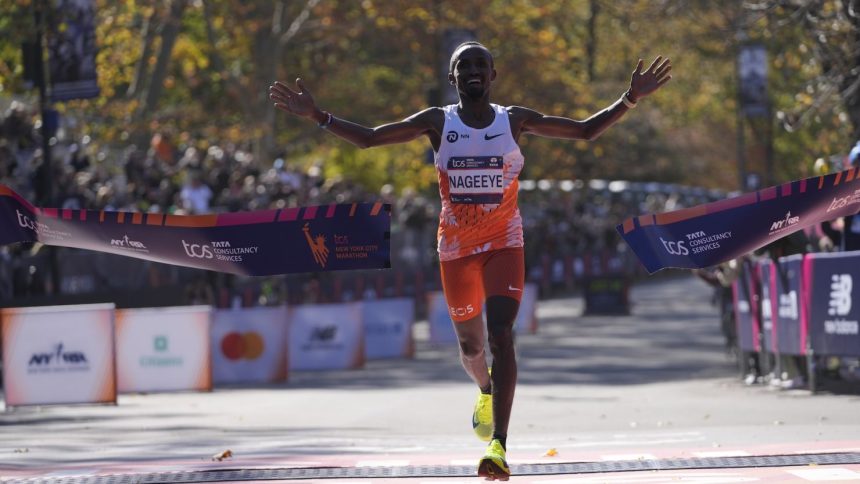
(672, 334)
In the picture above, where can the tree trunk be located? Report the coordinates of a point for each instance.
(268, 73)
(142, 68)
(591, 42)
(169, 34)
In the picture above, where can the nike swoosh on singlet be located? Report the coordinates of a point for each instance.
(488, 137)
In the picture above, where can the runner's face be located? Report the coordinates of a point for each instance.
(473, 72)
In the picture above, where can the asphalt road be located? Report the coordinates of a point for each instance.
(654, 384)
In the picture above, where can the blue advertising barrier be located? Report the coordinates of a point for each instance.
(746, 309)
(831, 313)
(706, 235)
(290, 240)
(765, 270)
(786, 282)
(388, 328)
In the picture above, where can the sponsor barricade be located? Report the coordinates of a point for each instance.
(786, 280)
(744, 290)
(441, 329)
(163, 349)
(830, 314)
(527, 316)
(388, 328)
(326, 337)
(764, 273)
(59, 354)
(249, 345)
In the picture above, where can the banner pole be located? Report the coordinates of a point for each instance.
(45, 192)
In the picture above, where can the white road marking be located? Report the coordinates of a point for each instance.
(614, 457)
(722, 453)
(826, 474)
(382, 463)
(697, 478)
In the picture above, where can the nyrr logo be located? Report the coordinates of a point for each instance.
(125, 242)
(317, 245)
(58, 356)
(675, 248)
(785, 223)
(197, 251)
(840, 294)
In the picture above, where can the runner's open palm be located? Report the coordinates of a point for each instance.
(299, 102)
(644, 83)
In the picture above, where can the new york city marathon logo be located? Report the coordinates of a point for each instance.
(317, 245)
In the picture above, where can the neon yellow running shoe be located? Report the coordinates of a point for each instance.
(482, 417)
(493, 465)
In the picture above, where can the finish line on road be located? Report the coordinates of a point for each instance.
(457, 471)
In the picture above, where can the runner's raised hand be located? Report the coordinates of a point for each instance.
(299, 102)
(644, 83)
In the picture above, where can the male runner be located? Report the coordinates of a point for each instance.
(480, 234)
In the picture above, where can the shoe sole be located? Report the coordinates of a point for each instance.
(492, 471)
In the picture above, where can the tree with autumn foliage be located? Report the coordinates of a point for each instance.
(198, 70)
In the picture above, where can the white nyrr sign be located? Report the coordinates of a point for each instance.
(58, 354)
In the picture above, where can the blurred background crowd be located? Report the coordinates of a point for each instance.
(181, 174)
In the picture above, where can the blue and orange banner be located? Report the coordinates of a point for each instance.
(706, 235)
(290, 240)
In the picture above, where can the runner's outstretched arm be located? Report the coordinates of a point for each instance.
(301, 103)
(641, 85)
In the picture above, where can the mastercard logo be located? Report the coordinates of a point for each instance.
(239, 346)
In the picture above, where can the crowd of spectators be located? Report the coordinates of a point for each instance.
(180, 174)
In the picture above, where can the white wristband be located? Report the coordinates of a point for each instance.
(627, 102)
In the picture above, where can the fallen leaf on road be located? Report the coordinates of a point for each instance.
(551, 453)
(223, 455)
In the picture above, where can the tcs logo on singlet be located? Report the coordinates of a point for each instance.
(460, 312)
(242, 346)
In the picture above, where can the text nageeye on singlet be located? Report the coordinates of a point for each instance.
(476, 179)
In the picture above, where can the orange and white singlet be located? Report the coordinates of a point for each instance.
(478, 170)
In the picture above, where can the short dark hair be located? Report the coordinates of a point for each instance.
(468, 43)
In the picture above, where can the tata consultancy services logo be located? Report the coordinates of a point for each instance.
(842, 202)
(317, 245)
